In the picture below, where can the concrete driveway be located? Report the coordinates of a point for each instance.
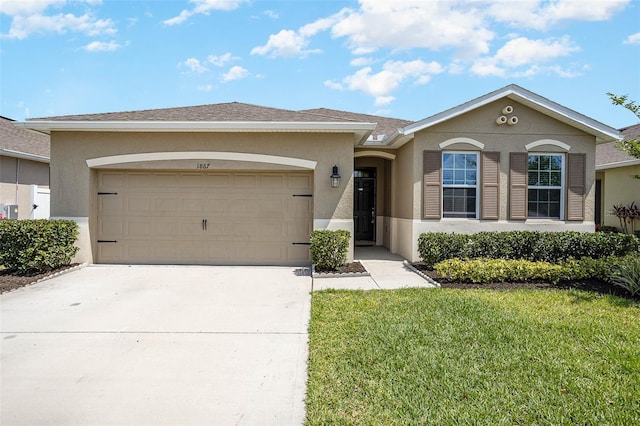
(157, 345)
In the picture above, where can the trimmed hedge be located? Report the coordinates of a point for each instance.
(553, 247)
(481, 271)
(37, 246)
(329, 248)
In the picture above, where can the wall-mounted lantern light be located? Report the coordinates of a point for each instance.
(335, 177)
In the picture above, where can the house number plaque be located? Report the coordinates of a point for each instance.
(203, 166)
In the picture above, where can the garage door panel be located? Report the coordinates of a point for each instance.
(251, 217)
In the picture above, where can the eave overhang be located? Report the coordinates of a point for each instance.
(626, 163)
(361, 131)
(24, 155)
(602, 132)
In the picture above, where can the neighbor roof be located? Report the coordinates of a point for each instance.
(602, 132)
(22, 143)
(608, 156)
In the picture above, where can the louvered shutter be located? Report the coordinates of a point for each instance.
(576, 176)
(518, 162)
(432, 191)
(490, 189)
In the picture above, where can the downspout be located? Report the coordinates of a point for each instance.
(17, 177)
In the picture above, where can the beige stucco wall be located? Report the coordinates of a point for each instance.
(618, 187)
(73, 184)
(28, 173)
(480, 125)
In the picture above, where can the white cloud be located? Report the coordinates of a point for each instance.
(235, 73)
(541, 15)
(633, 39)
(27, 7)
(23, 26)
(381, 84)
(204, 7)
(222, 60)
(271, 14)
(360, 62)
(102, 46)
(521, 52)
(287, 43)
(193, 65)
(333, 85)
(29, 17)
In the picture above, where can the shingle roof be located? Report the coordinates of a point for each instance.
(22, 141)
(608, 154)
(232, 111)
(385, 125)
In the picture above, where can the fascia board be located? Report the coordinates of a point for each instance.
(195, 126)
(24, 155)
(602, 132)
(615, 165)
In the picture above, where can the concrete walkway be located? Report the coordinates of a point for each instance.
(387, 272)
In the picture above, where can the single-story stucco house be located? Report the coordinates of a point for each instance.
(615, 178)
(242, 184)
(24, 172)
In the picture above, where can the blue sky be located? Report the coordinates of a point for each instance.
(406, 59)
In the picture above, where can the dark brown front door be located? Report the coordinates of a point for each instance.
(364, 212)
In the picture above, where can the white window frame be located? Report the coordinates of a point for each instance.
(476, 186)
(561, 187)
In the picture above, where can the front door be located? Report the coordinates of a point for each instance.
(364, 210)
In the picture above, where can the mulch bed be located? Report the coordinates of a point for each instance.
(348, 268)
(595, 286)
(10, 281)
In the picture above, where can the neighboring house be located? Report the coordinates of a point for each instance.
(24, 172)
(615, 178)
(243, 184)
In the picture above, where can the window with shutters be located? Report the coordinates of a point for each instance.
(545, 177)
(460, 184)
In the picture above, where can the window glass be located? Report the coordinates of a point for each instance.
(459, 184)
(545, 186)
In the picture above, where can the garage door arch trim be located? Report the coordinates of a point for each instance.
(201, 155)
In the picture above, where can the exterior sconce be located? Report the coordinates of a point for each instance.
(335, 177)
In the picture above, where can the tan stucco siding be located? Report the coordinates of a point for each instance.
(404, 182)
(618, 187)
(480, 126)
(71, 177)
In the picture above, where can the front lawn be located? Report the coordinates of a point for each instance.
(423, 356)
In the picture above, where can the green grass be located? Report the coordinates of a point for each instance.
(473, 357)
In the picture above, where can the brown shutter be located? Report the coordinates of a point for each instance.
(432, 163)
(490, 190)
(518, 164)
(575, 186)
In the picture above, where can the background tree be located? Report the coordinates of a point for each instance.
(630, 146)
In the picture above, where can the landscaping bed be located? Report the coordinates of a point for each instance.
(11, 281)
(592, 285)
(347, 268)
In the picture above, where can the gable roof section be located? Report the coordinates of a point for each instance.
(608, 156)
(224, 117)
(22, 143)
(602, 132)
(385, 125)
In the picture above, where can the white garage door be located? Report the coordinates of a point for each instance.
(227, 218)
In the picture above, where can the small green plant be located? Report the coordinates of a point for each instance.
(329, 248)
(37, 246)
(625, 273)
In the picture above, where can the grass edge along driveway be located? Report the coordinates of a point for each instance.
(423, 356)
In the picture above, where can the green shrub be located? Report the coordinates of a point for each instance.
(520, 270)
(329, 248)
(37, 246)
(534, 246)
(625, 273)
